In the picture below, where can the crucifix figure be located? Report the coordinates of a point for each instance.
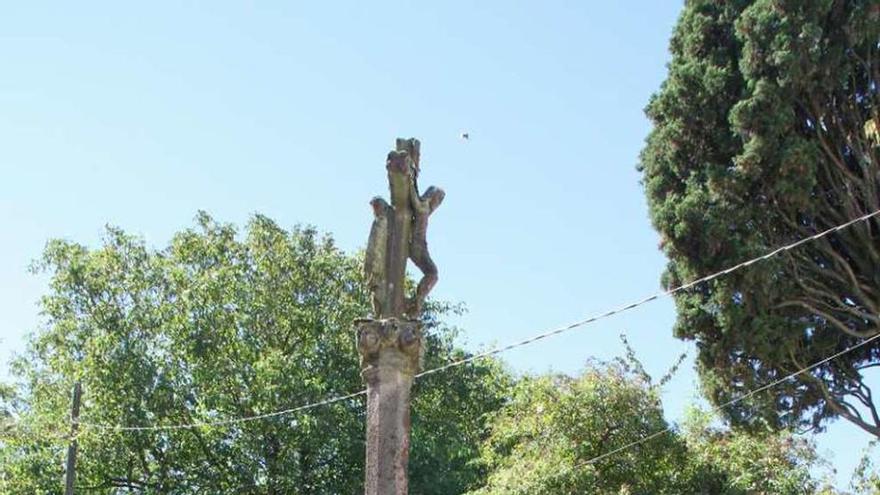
(399, 232)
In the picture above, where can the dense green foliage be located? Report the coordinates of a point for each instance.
(555, 422)
(747, 463)
(764, 134)
(222, 326)
(542, 442)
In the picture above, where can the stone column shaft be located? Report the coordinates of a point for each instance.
(390, 351)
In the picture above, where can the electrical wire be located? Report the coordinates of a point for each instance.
(224, 422)
(658, 295)
(718, 409)
(500, 349)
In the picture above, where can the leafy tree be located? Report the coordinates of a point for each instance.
(764, 134)
(753, 463)
(217, 326)
(542, 442)
(556, 423)
(866, 479)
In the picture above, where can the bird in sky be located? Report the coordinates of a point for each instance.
(465, 136)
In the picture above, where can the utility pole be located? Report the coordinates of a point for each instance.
(390, 343)
(70, 476)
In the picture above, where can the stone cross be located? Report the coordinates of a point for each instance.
(399, 233)
(390, 343)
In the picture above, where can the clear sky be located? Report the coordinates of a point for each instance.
(140, 116)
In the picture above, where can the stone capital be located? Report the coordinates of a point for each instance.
(390, 343)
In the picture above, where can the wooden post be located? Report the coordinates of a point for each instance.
(70, 476)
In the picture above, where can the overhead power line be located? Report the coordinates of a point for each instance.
(718, 409)
(225, 422)
(504, 348)
(658, 295)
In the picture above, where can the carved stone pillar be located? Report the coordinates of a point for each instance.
(390, 352)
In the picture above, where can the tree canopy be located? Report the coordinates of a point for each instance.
(224, 325)
(551, 438)
(764, 133)
(220, 325)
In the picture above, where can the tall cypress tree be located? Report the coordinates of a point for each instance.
(765, 133)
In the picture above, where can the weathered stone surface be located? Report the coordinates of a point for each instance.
(390, 350)
(375, 260)
(391, 344)
(399, 233)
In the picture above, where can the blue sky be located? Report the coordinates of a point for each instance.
(140, 116)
